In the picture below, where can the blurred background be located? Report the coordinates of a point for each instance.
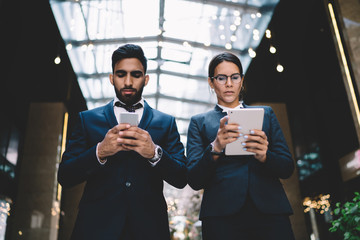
(300, 57)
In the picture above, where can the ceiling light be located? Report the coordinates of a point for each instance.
(57, 60)
(258, 15)
(221, 27)
(232, 27)
(252, 53)
(233, 38)
(90, 46)
(253, 15)
(279, 68)
(272, 49)
(268, 33)
(247, 26)
(222, 36)
(186, 44)
(236, 13)
(228, 46)
(69, 46)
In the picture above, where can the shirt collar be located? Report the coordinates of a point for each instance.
(226, 109)
(117, 100)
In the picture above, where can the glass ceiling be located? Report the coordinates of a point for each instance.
(179, 37)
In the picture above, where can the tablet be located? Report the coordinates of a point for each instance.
(248, 119)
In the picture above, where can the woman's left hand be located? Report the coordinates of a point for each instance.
(257, 143)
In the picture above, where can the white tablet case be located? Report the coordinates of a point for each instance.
(248, 119)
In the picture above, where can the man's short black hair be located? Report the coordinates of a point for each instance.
(129, 51)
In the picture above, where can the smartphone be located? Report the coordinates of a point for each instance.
(130, 118)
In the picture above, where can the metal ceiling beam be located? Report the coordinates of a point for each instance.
(117, 41)
(177, 74)
(228, 4)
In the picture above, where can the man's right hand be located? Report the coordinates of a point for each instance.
(110, 144)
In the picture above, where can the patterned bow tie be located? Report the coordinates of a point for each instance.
(129, 108)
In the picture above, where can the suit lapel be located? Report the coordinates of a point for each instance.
(109, 114)
(146, 117)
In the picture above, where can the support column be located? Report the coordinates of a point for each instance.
(291, 185)
(37, 208)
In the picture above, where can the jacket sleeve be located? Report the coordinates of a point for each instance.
(200, 165)
(279, 161)
(172, 164)
(79, 161)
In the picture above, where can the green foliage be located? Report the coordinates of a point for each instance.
(347, 222)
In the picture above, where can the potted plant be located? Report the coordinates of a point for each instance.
(347, 219)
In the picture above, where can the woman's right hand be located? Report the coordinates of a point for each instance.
(227, 133)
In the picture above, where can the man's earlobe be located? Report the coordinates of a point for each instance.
(111, 77)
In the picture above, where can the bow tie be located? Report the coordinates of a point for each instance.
(128, 108)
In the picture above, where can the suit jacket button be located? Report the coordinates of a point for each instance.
(128, 184)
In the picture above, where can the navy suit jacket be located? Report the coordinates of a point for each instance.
(127, 188)
(228, 181)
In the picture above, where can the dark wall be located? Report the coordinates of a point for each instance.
(311, 86)
(30, 41)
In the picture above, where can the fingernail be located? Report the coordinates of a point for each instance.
(239, 127)
(252, 131)
(244, 144)
(246, 136)
(244, 149)
(241, 134)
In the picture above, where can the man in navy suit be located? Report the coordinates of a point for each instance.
(124, 166)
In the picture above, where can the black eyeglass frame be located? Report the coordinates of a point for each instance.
(231, 78)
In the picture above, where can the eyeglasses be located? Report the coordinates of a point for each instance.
(222, 78)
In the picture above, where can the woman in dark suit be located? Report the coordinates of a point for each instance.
(243, 197)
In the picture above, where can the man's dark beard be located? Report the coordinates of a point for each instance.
(131, 100)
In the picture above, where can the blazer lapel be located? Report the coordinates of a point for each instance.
(109, 114)
(146, 117)
(219, 111)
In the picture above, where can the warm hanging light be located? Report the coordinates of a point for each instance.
(228, 46)
(69, 46)
(252, 53)
(279, 68)
(90, 46)
(206, 44)
(57, 60)
(272, 49)
(268, 33)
